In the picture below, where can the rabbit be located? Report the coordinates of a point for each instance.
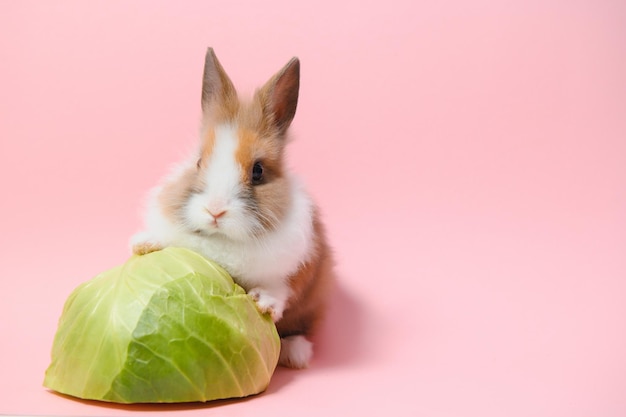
(235, 202)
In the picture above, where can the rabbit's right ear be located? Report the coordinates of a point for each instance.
(217, 88)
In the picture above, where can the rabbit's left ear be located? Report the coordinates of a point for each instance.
(217, 88)
(279, 96)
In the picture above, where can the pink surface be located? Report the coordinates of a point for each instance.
(469, 158)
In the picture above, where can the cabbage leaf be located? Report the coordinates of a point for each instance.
(169, 326)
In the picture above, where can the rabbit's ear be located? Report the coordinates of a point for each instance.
(217, 88)
(279, 96)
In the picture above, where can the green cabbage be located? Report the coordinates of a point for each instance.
(169, 326)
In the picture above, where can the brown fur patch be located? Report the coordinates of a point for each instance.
(272, 201)
(208, 142)
(252, 148)
(257, 144)
(311, 287)
(247, 152)
(175, 193)
(224, 109)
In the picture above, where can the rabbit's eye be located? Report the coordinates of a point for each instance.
(257, 173)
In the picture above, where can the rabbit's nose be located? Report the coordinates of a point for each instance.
(217, 213)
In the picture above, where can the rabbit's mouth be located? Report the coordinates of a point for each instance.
(203, 232)
(213, 231)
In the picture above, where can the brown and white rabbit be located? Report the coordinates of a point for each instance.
(235, 202)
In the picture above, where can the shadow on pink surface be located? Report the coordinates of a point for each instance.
(339, 342)
(164, 407)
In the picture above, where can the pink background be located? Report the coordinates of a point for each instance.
(469, 158)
